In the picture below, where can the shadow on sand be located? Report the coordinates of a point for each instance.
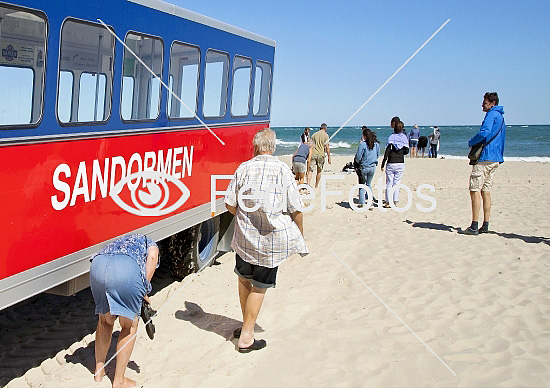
(345, 204)
(219, 324)
(448, 228)
(433, 225)
(527, 239)
(38, 328)
(86, 357)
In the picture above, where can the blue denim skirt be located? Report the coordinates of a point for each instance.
(117, 285)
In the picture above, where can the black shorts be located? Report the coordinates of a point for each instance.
(261, 277)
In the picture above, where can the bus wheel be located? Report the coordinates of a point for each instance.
(205, 244)
(179, 248)
(193, 249)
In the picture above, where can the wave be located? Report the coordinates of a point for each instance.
(283, 143)
(340, 144)
(540, 159)
(529, 159)
(525, 126)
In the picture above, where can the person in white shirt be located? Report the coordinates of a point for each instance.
(268, 229)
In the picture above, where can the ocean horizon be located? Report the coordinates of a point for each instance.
(527, 143)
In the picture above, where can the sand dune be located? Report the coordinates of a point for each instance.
(481, 303)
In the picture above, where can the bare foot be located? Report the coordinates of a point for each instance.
(245, 342)
(98, 376)
(127, 383)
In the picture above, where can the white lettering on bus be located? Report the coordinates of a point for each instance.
(114, 169)
(98, 179)
(61, 186)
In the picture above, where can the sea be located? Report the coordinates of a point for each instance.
(527, 143)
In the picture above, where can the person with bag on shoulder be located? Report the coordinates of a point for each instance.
(491, 139)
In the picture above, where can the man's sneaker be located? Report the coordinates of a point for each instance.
(483, 230)
(470, 231)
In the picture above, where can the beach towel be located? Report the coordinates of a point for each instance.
(399, 140)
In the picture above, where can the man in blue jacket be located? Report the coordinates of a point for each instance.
(492, 133)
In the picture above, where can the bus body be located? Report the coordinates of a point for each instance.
(79, 112)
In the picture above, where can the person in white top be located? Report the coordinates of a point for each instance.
(268, 229)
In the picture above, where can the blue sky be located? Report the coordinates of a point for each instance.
(331, 56)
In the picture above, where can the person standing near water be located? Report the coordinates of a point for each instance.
(422, 144)
(395, 153)
(413, 140)
(321, 146)
(366, 159)
(434, 142)
(493, 134)
(304, 137)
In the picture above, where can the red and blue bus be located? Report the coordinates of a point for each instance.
(80, 111)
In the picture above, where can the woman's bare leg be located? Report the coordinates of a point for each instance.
(102, 343)
(125, 345)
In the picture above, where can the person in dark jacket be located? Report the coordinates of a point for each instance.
(396, 149)
(422, 143)
(493, 134)
(304, 137)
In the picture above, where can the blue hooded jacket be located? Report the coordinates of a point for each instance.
(491, 124)
(367, 157)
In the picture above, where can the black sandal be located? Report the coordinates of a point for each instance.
(237, 333)
(146, 314)
(256, 345)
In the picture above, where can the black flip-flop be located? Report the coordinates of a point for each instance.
(237, 333)
(256, 345)
(146, 314)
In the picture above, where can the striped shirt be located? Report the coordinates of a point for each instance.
(265, 236)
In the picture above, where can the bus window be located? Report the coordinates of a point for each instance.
(184, 78)
(140, 90)
(262, 86)
(87, 51)
(23, 48)
(215, 84)
(64, 98)
(240, 95)
(91, 100)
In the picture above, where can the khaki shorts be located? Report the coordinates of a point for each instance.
(299, 167)
(482, 175)
(317, 160)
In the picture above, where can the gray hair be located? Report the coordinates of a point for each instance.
(264, 141)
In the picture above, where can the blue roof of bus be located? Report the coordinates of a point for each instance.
(193, 16)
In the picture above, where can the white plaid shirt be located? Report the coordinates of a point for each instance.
(265, 237)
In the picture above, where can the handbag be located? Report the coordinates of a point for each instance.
(475, 151)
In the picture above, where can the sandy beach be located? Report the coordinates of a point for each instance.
(480, 303)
